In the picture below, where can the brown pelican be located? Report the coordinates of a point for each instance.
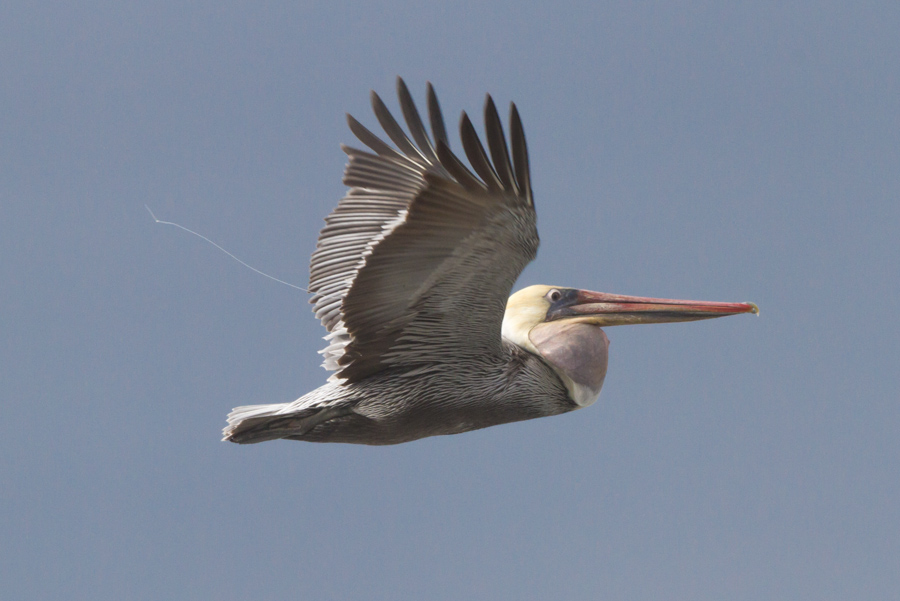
(411, 276)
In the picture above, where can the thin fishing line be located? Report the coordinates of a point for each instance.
(202, 237)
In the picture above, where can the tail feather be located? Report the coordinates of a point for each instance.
(258, 423)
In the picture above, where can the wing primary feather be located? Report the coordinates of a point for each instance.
(455, 167)
(438, 131)
(394, 131)
(520, 154)
(475, 152)
(497, 145)
(414, 121)
(371, 140)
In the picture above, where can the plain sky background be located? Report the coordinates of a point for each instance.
(718, 151)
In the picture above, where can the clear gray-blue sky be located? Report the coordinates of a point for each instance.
(739, 151)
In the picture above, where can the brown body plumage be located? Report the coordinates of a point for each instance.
(398, 405)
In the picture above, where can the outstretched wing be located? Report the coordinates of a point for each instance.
(416, 263)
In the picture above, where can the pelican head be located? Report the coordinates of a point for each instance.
(562, 326)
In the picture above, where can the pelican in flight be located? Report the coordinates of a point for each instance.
(411, 277)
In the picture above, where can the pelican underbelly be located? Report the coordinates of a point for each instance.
(398, 406)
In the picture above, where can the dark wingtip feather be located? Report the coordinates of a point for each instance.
(371, 140)
(393, 129)
(520, 153)
(497, 145)
(438, 131)
(414, 121)
(476, 155)
(455, 168)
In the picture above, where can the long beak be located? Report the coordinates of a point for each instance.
(605, 309)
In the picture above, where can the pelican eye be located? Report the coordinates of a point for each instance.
(554, 295)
